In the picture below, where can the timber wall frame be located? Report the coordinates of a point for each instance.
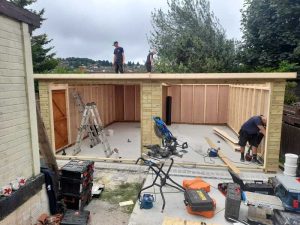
(151, 89)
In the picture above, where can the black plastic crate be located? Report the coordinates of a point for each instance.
(233, 201)
(77, 202)
(82, 193)
(78, 169)
(72, 217)
(74, 186)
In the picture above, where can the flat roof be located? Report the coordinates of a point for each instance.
(11, 10)
(169, 76)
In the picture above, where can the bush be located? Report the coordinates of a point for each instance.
(290, 97)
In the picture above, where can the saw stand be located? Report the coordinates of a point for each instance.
(163, 176)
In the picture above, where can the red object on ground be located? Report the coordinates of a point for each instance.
(196, 184)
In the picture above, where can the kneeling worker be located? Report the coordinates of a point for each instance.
(253, 132)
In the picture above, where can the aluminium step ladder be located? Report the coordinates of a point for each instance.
(91, 131)
(92, 124)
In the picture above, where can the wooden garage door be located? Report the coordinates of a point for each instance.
(60, 118)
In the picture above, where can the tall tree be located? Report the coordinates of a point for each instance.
(189, 38)
(271, 32)
(42, 57)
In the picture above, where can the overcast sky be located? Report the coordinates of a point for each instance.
(87, 28)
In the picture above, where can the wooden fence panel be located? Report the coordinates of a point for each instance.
(290, 136)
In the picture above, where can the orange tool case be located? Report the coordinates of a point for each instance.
(196, 184)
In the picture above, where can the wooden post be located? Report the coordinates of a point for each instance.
(276, 101)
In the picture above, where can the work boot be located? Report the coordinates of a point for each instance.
(254, 160)
(242, 157)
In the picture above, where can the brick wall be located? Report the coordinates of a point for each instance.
(15, 135)
(29, 212)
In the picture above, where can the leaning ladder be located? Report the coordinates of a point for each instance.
(91, 123)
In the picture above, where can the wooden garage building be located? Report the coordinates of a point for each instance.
(221, 98)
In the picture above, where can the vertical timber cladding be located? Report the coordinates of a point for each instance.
(199, 103)
(274, 126)
(151, 105)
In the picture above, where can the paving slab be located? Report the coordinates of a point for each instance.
(176, 208)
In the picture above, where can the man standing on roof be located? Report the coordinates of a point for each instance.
(150, 62)
(252, 131)
(119, 58)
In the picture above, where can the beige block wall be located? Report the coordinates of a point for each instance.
(271, 159)
(151, 105)
(44, 105)
(15, 133)
(29, 212)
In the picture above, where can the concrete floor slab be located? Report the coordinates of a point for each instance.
(127, 138)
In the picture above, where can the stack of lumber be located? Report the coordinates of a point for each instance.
(179, 221)
(232, 141)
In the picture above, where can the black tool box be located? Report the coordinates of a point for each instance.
(233, 201)
(258, 186)
(286, 218)
(72, 217)
(198, 200)
(78, 169)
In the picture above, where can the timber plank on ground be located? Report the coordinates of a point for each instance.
(223, 157)
(224, 134)
(231, 141)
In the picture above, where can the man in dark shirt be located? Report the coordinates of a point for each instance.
(119, 58)
(150, 62)
(252, 131)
